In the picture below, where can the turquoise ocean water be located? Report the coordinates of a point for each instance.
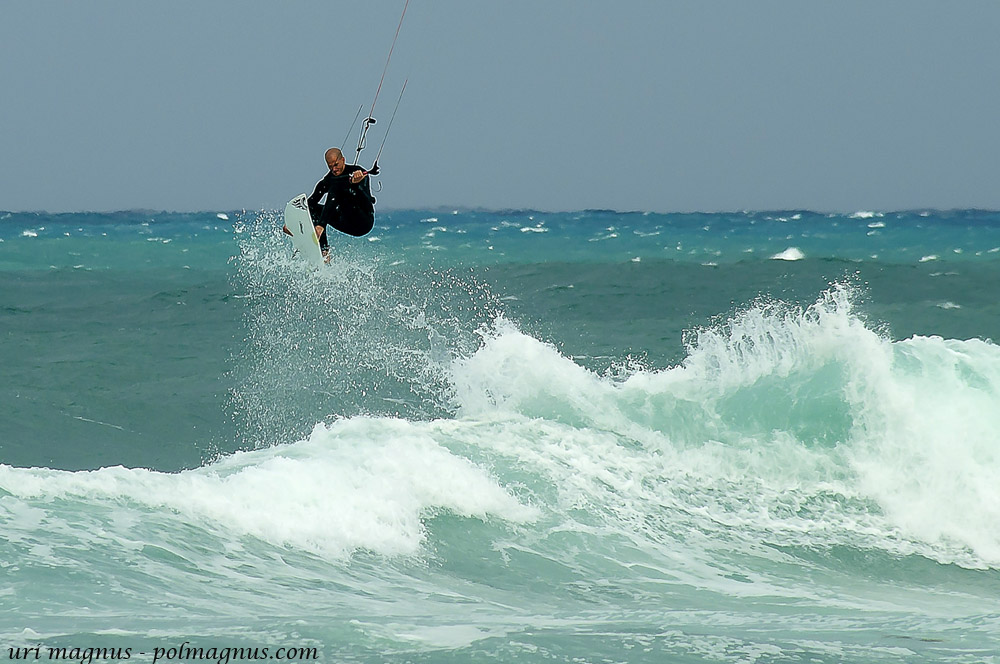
(502, 436)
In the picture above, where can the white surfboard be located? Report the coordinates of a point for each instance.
(303, 233)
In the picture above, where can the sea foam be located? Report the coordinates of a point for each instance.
(777, 402)
(355, 484)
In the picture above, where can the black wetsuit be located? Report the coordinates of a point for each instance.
(350, 208)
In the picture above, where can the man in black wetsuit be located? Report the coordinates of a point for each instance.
(350, 206)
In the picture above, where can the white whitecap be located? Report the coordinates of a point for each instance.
(790, 254)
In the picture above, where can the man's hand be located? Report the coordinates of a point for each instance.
(358, 176)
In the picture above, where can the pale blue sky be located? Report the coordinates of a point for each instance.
(548, 104)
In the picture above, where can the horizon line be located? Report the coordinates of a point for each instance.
(4, 214)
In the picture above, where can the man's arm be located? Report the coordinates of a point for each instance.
(315, 207)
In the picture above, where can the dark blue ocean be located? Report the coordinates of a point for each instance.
(501, 436)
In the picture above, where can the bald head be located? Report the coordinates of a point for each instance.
(335, 161)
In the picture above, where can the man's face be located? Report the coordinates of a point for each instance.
(336, 163)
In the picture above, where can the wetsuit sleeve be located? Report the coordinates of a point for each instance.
(315, 207)
(361, 192)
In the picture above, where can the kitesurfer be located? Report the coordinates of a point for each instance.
(349, 206)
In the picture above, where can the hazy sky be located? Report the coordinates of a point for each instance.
(655, 105)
